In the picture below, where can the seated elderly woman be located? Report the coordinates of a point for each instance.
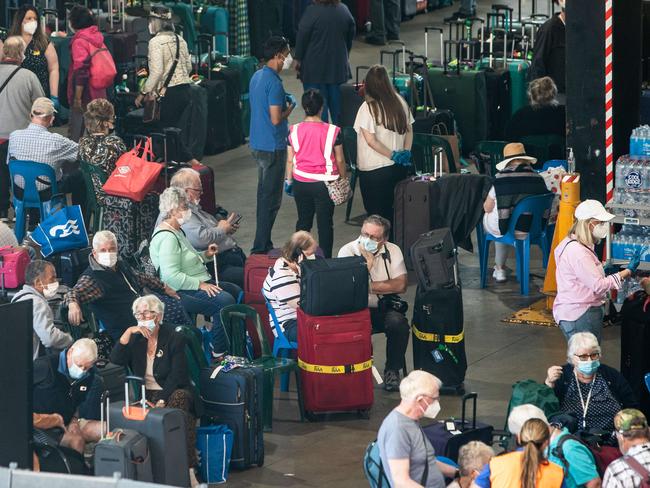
(593, 392)
(155, 352)
(472, 458)
(183, 268)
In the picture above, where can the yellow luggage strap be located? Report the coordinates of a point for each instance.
(343, 369)
(449, 339)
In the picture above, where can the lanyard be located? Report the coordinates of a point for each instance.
(585, 405)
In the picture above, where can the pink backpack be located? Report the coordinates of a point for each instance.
(102, 68)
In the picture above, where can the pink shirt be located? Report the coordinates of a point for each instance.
(581, 280)
(313, 147)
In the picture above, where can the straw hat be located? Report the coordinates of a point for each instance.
(512, 151)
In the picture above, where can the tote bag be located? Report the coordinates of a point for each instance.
(64, 230)
(134, 174)
(215, 445)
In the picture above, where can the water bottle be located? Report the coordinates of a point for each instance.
(634, 142)
(571, 161)
(645, 142)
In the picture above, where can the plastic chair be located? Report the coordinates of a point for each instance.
(494, 150)
(281, 345)
(234, 318)
(545, 147)
(536, 206)
(350, 154)
(422, 151)
(29, 196)
(194, 353)
(94, 210)
(556, 163)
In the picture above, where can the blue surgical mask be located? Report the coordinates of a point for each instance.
(368, 244)
(76, 373)
(588, 368)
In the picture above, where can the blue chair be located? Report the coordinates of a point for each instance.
(281, 345)
(536, 206)
(556, 163)
(29, 196)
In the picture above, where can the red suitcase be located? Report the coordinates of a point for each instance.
(255, 271)
(335, 360)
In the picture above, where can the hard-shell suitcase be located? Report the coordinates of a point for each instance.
(351, 99)
(166, 432)
(635, 340)
(256, 269)
(121, 451)
(438, 335)
(335, 358)
(234, 398)
(265, 20)
(434, 259)
(448, 436)
(214, 21)
(333, 286)
(409, 8)
(185, 15)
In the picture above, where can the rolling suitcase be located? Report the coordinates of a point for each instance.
(123, 451)
(234, 398)
(214, 21)
(335, 359)
(185, 15)
(265, 20)
(447, 437)
(635, 340)
(351, 99)
(255, 270)
(438, 335)
(434, 259)
(409, 8)
(195, 120)
(217, 138)
(165, 430)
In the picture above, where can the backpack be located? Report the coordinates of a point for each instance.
(639, 469)
(102, 68)
(530, 392)
(603, 455)
(374, 468)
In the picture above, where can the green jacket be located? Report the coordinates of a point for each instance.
(180, 265)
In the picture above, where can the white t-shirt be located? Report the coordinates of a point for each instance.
(367, 158)
(491, 220)
(386, 266)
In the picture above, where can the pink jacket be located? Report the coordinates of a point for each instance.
(581, 280)
(313, 146)
(82, 45)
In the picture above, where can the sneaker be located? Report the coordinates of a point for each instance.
(375, 41)
(458, 16)
(391, 380)
(500, 275)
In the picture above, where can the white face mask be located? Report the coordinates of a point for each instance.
(185, 217)
(149, 324)
(287, 62)
(432, 410)
(30, 27)
(76, 372)
(107, 259)
(49, 290)
(600, 231)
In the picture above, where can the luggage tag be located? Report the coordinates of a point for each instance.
(377, 376)
(437, 356)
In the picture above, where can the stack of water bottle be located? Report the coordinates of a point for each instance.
(632, 178)
(630, 239)
(640, 142)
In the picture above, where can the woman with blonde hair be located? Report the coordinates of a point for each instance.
(527, 467)
(582, 284)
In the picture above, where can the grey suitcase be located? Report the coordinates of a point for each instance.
(166, 432)
(122, 451)
(433, 257)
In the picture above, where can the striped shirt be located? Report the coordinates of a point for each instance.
(282, 289)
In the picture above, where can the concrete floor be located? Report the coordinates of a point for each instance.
(330, 453)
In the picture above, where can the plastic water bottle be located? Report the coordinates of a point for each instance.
(644, 142)
(571, 161)
(634, 142)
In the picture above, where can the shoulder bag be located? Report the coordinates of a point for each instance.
(152, 99)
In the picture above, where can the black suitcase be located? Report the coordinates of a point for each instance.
(235, 398)
(439, 337)
(351, 100)
(409, 8)
(167, 435)
(264, 20)
(122, 451)
(448, 436)
(70, 264)
(635, 341)
(433, 256)
(195, 119)
(333, 286)
(218, 136)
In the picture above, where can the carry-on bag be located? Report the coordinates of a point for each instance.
(214, 442)
(13, 262)
(234, 398)
(333, 286)
(448, 436)
(122, 451)
(63, 230)
(164, 428)
(335, 361)
(434, 259)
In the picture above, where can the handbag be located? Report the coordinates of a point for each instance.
(64, 230)
(339, 190)
(152, 100)
(134, 175)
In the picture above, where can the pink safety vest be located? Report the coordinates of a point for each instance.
(313, 146)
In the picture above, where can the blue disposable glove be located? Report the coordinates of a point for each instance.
(56, 103)
(635, 261)
(291, 100)
(288, 187)
(401, 158)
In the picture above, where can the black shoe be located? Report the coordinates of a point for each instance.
(375, 41)
(392, 38)
(458, 16)
(391, 380)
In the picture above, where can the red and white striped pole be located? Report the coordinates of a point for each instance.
(609, 121)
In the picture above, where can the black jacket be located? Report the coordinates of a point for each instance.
(56, 392)
(618, 385)
(550, 53)
(169, 366)
(324, 39)
(529, 121)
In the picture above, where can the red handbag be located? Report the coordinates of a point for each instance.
(134, 174)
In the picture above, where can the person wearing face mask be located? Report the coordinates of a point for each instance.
(549, 58)
(388, 278)
(182, 267)
(582, 285)
(282, 285)
(633, 437)
(270, 109)
(108, 287)
(68, 384)
(40, 286)
(408, 457)
(152, 350)
(590, 391)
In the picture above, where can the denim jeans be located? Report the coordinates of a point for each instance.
(590, 321)
(270, 175)
(332, 94)
(199, 302)
(385, 16)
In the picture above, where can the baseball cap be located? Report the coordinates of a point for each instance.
(593, 209)
(630, 419)
(42, 107)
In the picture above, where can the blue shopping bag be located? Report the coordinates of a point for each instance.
(63, 230)
(215, 445)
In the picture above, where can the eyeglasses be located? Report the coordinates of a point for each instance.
(197, 190)
(587, 357)
(146, 314)
(374, 238)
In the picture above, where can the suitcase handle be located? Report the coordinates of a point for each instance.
(427, 95)
(469, 396)
(426, 42)
(104, 414)
(459, 53)
(505, 46)
(136, 414)
(357, 71)
(397, 42)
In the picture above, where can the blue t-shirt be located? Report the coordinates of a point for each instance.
(582, 466)
(266, 90)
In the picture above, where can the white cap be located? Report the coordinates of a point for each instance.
(593, 209)
(521, 413)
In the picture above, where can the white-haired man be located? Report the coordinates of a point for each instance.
(68, 384)
(405, 451)
(109, 286)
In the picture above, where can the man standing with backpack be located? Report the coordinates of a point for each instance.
(633, 436)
